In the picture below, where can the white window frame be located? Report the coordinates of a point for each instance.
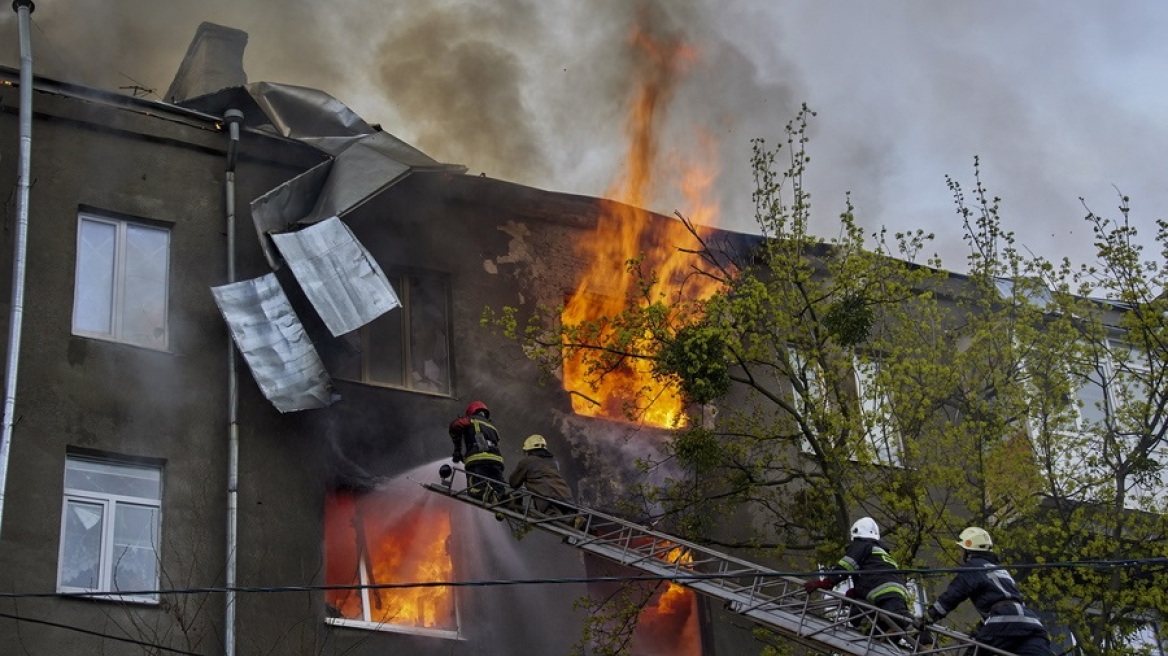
(368, 623)
(1076, 460)
(400, 280)
(881, 437)
(801, 365)
(883, 441)
(366, 620)
(109, 503)
(1148, 636)
(117, 330)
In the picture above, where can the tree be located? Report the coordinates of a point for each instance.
(851, 379)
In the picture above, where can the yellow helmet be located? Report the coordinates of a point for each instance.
(534, 442)
(975, 539)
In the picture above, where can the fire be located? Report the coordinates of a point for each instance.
(669, 623)
(625, 232)
(370, 540)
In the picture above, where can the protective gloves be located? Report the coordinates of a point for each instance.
(811, 585)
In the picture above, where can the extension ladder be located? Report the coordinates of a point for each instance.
(825, 621)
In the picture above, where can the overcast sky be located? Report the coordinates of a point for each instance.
(1059, 99)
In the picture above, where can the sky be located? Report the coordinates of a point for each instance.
(1058, 100)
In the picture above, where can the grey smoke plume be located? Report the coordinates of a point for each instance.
(1059, 102)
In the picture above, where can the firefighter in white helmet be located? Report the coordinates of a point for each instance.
(1007, 623)
(876, 579)
(539, 472)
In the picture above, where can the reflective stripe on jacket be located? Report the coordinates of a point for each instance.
(878, 575)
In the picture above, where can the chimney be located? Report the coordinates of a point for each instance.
(214, 61)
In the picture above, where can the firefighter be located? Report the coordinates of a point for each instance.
(876, 579)
(539, 472)
(476, 445)
(1007, 623)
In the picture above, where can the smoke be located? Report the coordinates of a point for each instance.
(1058, 104)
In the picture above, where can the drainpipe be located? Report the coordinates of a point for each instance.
(16, 318)
(233, 117)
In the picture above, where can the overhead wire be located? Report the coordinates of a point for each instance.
(680, 577)
(77, 629)
(676, 577)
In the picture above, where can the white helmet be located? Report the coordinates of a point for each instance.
(534, 442)
(975, 539)
(866, 527)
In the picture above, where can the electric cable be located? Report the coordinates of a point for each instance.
(678, 577)
(78, 629)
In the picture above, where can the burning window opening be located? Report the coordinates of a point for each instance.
(601, 384)
(626, 232)
(669, 621)
(369, 540)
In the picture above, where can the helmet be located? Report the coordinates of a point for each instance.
(534, 442)
(478, 406)
(866, 527)
(975, 539)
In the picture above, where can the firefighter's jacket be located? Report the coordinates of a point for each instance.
(993, 593)
(540, 473)
(873, 571)
(476, 440)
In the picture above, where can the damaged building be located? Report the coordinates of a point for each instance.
(249, 317)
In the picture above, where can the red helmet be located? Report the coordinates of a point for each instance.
(478, 406)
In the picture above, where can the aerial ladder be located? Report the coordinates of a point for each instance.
(828, 622)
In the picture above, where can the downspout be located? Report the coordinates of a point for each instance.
(16, 317)
(233, 117)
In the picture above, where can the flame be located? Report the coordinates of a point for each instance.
(399, 547)
(669, 623)
(625, 232)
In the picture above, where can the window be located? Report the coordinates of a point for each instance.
(1147, 639)
(375, 539)
(1101, 422)
(882, 438)
(110, 528)
(121, 281)
(407, 347)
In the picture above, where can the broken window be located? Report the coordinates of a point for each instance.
(121, 281)
(110, 528)
(407, 347)
(373, 539)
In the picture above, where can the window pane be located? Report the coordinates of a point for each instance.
(429, 353)
(81, 545)
(383, 349)
(882, 435)
(144, 299)
(135, 556)
(1092, 397)
(93, 295)
(109, 478)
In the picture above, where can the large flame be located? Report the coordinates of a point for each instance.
(394, 546)
(625, 232)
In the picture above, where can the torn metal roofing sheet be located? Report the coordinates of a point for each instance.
(338, 275)
(272, 340)
(365, 161)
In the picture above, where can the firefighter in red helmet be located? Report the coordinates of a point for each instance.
(476, 445)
